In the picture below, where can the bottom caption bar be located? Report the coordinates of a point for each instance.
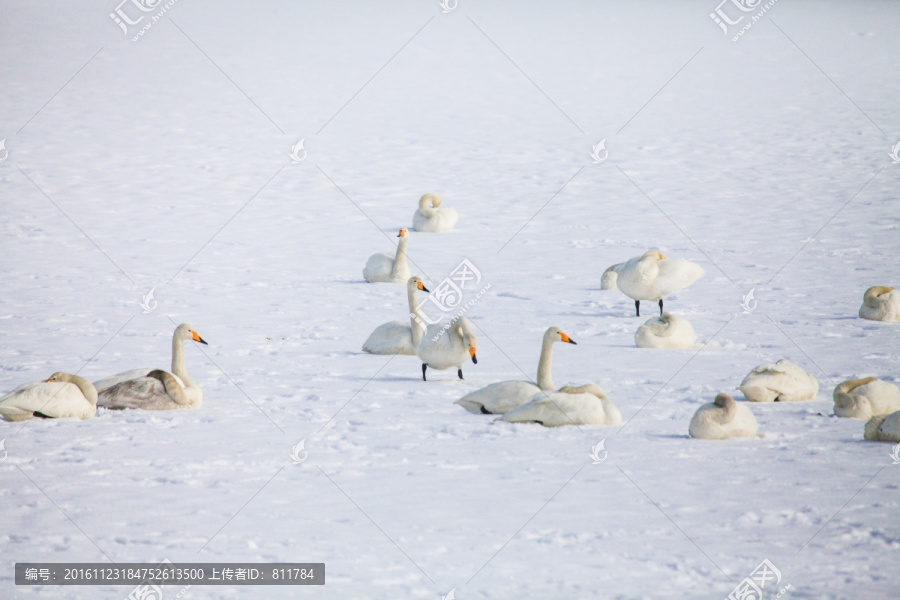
(169, 573)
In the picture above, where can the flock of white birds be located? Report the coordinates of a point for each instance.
(650, 277)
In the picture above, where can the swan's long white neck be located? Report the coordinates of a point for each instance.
(544, 376)
(400, 257)
(428, 204)
(87, 388)
(178, 367)
(416, 318)
(728, 412)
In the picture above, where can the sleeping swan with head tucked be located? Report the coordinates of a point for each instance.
(880, 303)
(62, 395)
(865, 398)
(723, 419)
(155, 389)
(653, 276)
(398, 337)
(504, 396)
(665, 331)
(782, 381)
(431, 218)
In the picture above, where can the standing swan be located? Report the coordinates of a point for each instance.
(446, 346)
(653, 276)
(397, 337)
(880, 303)
(723, 419)
(62, 395)
(504, 396)
(155, 389)
(431, 218)
(865, 398)
(665, 331)
(571, 405)
(385, 268)
(780, 382)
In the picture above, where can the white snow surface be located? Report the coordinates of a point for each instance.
(164, 164)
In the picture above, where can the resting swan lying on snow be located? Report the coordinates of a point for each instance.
(447, 345)
(723, 419)
(782, 381)
(883, 428)
(865, 398)
(62, 395)
(155, 389)
(384, 268)
(653, 276)
(881, 303)
(431, 218)
(665, 331)
(398, 337)
(504, 396)
(572, 405)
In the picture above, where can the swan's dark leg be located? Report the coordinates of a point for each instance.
(485, 411)
(660, 306)
(424, 366)
(459, 372)
(637, 307)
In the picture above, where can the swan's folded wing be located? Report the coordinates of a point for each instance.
(677, 274)
(394, 337)
(147, 393)
(499, 398)
(105, 384)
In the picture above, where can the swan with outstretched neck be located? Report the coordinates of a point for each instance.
(430, 217)
(503, 396)
(444, 346)
(62, 395)
(155, 389)
(398, 337)
(653, 276)
(384, 268)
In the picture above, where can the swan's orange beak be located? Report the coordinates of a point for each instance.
(197, 338)
(51, 379)
(472, 354)
(402, 233)
(422, 287)
(566, 338)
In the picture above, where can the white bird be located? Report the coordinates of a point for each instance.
(504, 396)
(399, 337)
(880, 303)
(782, 381)
(155, 389)
(883, 428)
(385, 268)
(609, 278)
(62, 395)
(447, 345)
(653, 276)
(431, 218)
(723, 419)
(572, 405)
(665, 331)
(865, 398)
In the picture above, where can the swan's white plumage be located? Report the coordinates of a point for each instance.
(653, 276)
(399, 337)
(608, 281)
(665, 331)
(504, 396)
(723, 419)
(384, 268)
(782, 381)
(62, 396)
(444, 346)
(865, 398)
(880, 303)
(154, 389)
(430, 217)
(883, 428)
(571, 405)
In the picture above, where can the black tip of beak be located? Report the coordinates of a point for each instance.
(202, 341)
(571, 341)
(474, 359)
(425, 289)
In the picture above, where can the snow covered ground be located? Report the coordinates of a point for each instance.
(164, 163)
